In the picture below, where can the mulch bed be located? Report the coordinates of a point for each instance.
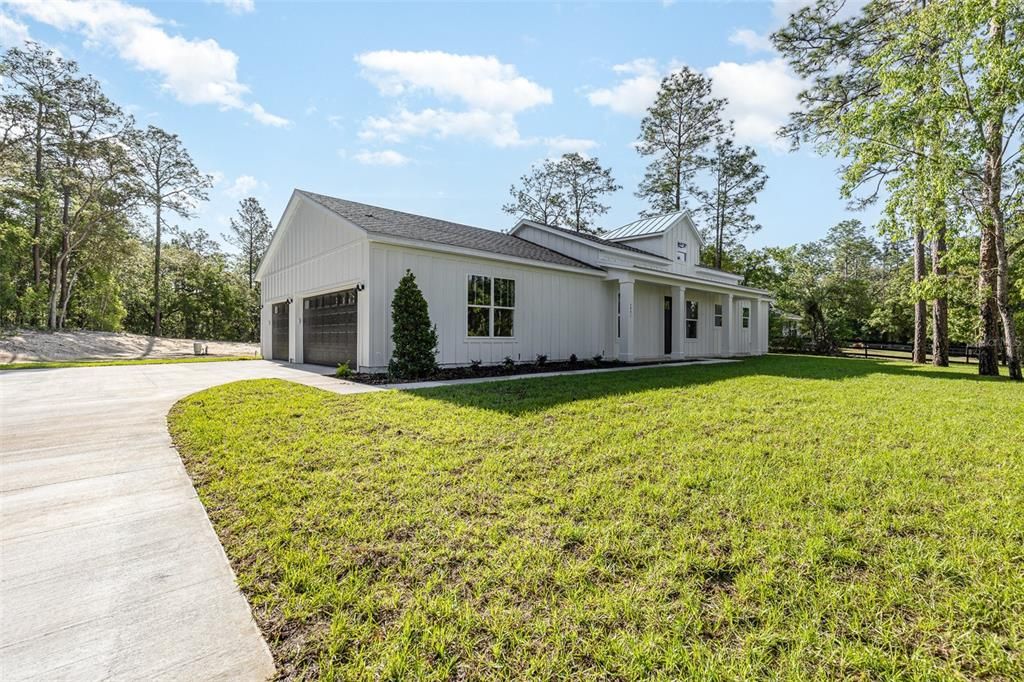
(501, 370)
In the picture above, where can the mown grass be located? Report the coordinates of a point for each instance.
(59, 364)
(783, 517)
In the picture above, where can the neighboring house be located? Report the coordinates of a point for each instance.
(634, 294)
(789, 323)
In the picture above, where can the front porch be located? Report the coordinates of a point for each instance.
(657, 318)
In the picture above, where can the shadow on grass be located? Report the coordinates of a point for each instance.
(524, 396)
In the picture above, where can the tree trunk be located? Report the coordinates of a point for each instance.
(940, 306)
(920, 311)
(65, 249)
(37, 227)
(988, 359)
(51, 322)
(156, 275)
(995, 222)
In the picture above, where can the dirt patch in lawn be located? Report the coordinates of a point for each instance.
(24, 345)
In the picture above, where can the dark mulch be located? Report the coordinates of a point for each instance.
(501, 370)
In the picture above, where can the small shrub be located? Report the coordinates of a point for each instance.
(343, 371)
(573, 359)
(508, 363)
(598, 358)
(474, 365)
(541, 360)
(414, 337)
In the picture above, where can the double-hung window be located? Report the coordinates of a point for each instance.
(691, 319)
(718, 314)
(491, 305)
(746, 318)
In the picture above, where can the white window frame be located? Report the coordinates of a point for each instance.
(491, 307)
(719, 312)
(745, 317)
(695, 319)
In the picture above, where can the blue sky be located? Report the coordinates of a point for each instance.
(431, 108)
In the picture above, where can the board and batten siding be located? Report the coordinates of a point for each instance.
(318, 254)
(557, 313)
(573, 248)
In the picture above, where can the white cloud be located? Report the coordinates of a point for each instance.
(498, 128)
(566, 145)
(386, 157)
(265, 117)
(635, 92)
(752, 40)
(236, 6)
(761, 95)
(244, 186)
(194, 71)
(491, 92)
(13, 33)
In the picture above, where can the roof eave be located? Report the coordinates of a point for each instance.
(606, 246)
(390, 240)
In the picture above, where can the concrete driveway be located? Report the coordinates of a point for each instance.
(109, 566)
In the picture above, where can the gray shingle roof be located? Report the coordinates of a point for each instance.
(605, 242)
(385, 221)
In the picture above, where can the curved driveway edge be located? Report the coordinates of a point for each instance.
(109, 567)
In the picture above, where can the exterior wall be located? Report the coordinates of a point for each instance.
(557, 313)
(319, 253)
(560, 243)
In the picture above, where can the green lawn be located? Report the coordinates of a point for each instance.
(793, 517)
(127, 361)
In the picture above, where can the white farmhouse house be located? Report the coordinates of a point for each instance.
(636, 293)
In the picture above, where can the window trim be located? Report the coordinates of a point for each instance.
(719, 314)
(491, 307)
(745, 317)
(695, 320)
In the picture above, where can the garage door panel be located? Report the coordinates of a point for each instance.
(279, 331)
(329, 328)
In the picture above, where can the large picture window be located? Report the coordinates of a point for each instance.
(691, 319)
(746, 318)
(491, 303)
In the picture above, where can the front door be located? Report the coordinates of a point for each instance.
(668, 325)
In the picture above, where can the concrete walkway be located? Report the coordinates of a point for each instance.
(109, 567)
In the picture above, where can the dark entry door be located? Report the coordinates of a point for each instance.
(668, 325)
(329, 328)
(279, 331)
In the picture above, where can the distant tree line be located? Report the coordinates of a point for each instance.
(86, 200)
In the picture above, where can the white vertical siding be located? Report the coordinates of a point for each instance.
(317, 252)
(564, 244)
(557, 313)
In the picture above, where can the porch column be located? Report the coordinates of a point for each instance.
(755, 327)
(728, 324)
(678, 322)
(627, 321)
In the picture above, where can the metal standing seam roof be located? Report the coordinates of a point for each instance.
(645, 226)
(385, 221)
(603, 241)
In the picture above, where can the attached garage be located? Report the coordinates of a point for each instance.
(329, 328)
(279, 331)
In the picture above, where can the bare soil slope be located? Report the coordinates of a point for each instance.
(24, 345)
